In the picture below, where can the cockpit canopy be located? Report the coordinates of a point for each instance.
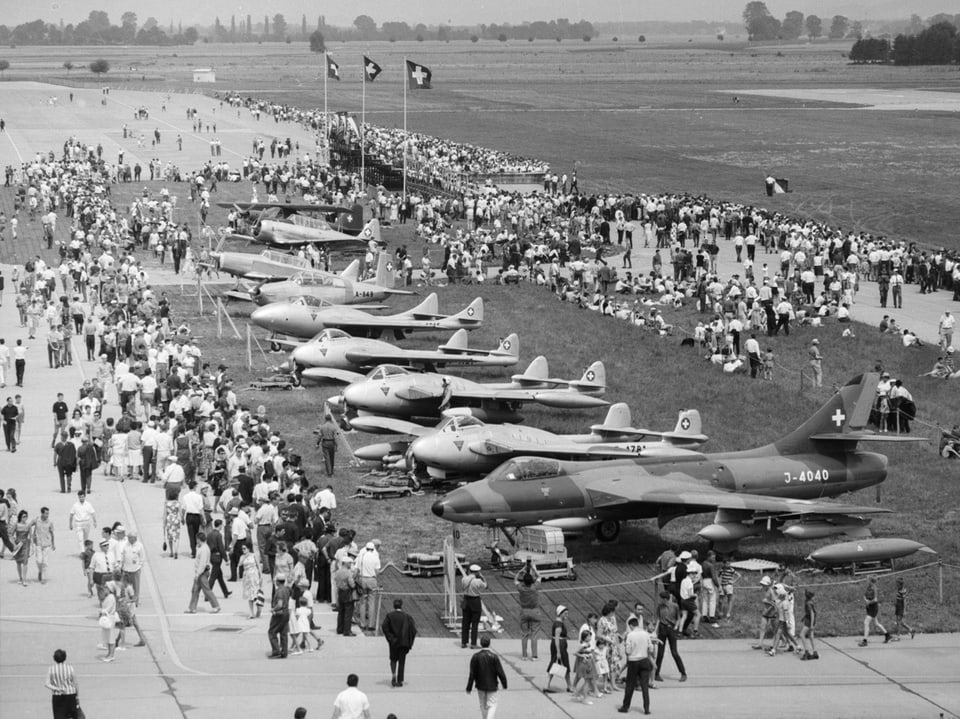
(458, 423)
(386, 370)
(331, 333)
(525, 468)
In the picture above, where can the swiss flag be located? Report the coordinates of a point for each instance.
(371, 70)
(333, 69)
(418, 76)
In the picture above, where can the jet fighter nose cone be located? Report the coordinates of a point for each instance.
(424, 449)
(438, 507)
(336, 402)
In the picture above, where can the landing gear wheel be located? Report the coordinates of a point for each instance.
(274, 346)
(415, 483)
(608, 530)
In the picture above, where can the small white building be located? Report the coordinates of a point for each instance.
(204, 74)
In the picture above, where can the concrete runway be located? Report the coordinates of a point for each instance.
(210, 666)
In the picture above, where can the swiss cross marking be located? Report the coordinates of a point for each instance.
(838, 417)
(685, 423)
(591, 376)
(419, 75)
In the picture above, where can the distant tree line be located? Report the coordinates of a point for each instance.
(763, 26)
(97, 30)
(938, 44)
(365, 28)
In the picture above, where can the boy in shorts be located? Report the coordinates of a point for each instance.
(898, 610)
(807, 626)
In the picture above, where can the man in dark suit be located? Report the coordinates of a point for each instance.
(400, 631)
(486, 671)
(218, 552)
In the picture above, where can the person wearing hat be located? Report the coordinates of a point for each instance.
(558, 649)
(816, 362)
(768, 611)
(100, 569)
(345, 586)
(279, 618)
(471, 584)
(368, 570)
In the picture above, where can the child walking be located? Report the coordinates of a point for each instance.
(808, 625)
(898, 611)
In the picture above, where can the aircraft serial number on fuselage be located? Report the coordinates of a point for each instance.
(820, 475)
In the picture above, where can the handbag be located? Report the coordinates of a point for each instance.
(557, 670)
(106, 622)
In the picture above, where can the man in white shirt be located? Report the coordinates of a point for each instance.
(637, 648)
(83, 518)
(132, 558)
(149, 439)
(191, 510)
(351, 703)
(368, 570)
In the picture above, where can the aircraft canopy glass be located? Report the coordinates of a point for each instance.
(525, 468)
(457, 423)
(314, 279)
(310, 301)
(331, 333)
(386, 370)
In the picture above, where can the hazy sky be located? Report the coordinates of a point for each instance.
(457, 12)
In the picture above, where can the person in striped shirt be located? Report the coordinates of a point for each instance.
(63, 683)
(728, 577)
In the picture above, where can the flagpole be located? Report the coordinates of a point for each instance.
(363, 122)
(326, 126)
(406, 138)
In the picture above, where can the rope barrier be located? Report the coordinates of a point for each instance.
(632, 582)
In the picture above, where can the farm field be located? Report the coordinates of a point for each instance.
(652, 117)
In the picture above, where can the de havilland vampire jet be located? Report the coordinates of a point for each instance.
(391, 391)
(305, 319)
(342, 289)
(778, 488)
(464, 446)
(334, 354)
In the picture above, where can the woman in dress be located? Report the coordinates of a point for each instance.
(558, 648)
(608, 630)
(108, 620)
(252, 578)
(171, 520)
(21, 545)
(118, 454)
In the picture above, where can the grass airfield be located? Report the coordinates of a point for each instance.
(736, 413)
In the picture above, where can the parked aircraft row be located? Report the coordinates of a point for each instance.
(279, 224)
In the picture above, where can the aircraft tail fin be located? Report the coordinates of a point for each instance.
(594, 379)
(843, 418)
(428, 308)
(617, 420)
(385, 276)
(509, 346)
(536, 372)
(351, 271)
(352, 221)
(689, 429)
(371, 231)
(472, 315)
(457, 342)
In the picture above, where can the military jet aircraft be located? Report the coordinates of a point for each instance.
(339, 289)
(778, 488)
(392, 391)
(334, 354)
(464, 446)
(301, 319)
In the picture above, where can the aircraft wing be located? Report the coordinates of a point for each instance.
(338, 375)
(374, 424)
(424, 357)
(676, 489)
(563, 398)
(497, 447)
